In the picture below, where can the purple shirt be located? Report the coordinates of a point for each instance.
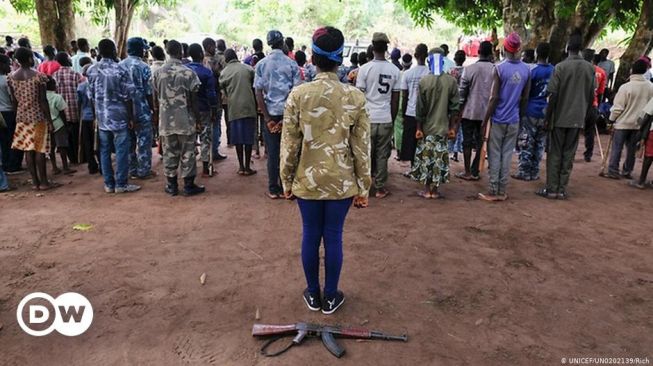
(513, 76)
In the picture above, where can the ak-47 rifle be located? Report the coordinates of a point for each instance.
(326, 332)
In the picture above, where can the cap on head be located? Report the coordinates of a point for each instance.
(646, 60)
(380, 37)
(136, 46)
(275, 38)
(512, 43)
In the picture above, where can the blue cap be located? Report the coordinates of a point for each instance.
(136, 46)
(274, 37)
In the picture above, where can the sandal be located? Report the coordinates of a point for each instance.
(546, 194)
(272, 196)
(489, 197)
(249, 172)
(50, 185)
(464, 176)
(69, 171)
(382, 193)
(636, 184)
(240, 172)
(424, 194)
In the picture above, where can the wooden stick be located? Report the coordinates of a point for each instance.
(486, 136)
(598, 137)
(604, 163)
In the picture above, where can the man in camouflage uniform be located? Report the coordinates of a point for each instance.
(176, 88)
(207, 101)
(275, 77)
(215, 62)
(140, 156)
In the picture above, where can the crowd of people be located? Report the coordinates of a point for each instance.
(328, 129)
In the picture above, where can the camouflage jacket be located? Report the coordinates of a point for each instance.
(174, 83)
(325, 143)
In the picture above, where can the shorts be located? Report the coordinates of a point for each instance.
(60, 137)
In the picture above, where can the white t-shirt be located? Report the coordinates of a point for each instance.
(378, 79)
(410, 81)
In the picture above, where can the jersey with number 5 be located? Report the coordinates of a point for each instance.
(378, 79)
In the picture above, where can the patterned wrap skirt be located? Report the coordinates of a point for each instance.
(431, 165)
(32, 137)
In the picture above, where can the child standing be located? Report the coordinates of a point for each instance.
(646, 132)
(57, 106)
(456, 146)
(88, 123)
(437, 109)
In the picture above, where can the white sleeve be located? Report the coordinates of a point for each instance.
(404, 81)
(361, 79)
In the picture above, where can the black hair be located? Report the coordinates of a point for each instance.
(221, 45)
(82, 44)
(206, 43)
(174, 49)
(575, 42)
(49, 51)
(85, 61)
(257, 44)
(51, 84)
(158, 53)
(445, 48)
(639, 67)
(362, 58)
(5, 64)
(597, 58)
(24, 42)
(184, 47)
(353, 59)
(529, 55)
(485, 49)
(196, 52)
(23, 56)
(459, 57)
(9, 38)
(604, 52)
(152, 44)
(230, 54)
(407, 58)
(379, 47)
(328, 39)
(300, 58)
(63, 59)
(106, 48)
(588, 54)
(421, 51)
(543, 50)
(370, 52)
(290, 43)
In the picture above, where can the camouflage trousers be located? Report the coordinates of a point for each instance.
(179, 151)
(140, 156)
(206, 135)
(531, 140)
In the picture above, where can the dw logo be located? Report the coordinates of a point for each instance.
(70, 314)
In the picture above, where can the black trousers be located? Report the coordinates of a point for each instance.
(12, 160)
(73, 141)
(473, 139)
(408, 140)
(563, 143)
(89, 153)
(590, 131)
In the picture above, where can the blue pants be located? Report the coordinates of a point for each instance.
(323, 219)
(456, 146)
(216, 133)
(140, 154)
(121, 143)
(531, 140)
(4, 184)
(273, 146)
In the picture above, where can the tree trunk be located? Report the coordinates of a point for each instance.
(124, 11)
(56, 22)
(514, 18)
(541, 18)
(639, 45)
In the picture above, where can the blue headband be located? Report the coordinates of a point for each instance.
(335, 56)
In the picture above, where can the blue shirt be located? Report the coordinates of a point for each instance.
(85, 105)
(207, 96)
(141, 76)
(110, 88)
(513, 76)
(537, 102)
(276, 75)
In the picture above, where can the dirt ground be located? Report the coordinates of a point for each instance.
(524, 282)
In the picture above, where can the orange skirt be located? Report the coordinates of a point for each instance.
(32, 137)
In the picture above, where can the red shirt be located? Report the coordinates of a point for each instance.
(49, 67)
(601, 80)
